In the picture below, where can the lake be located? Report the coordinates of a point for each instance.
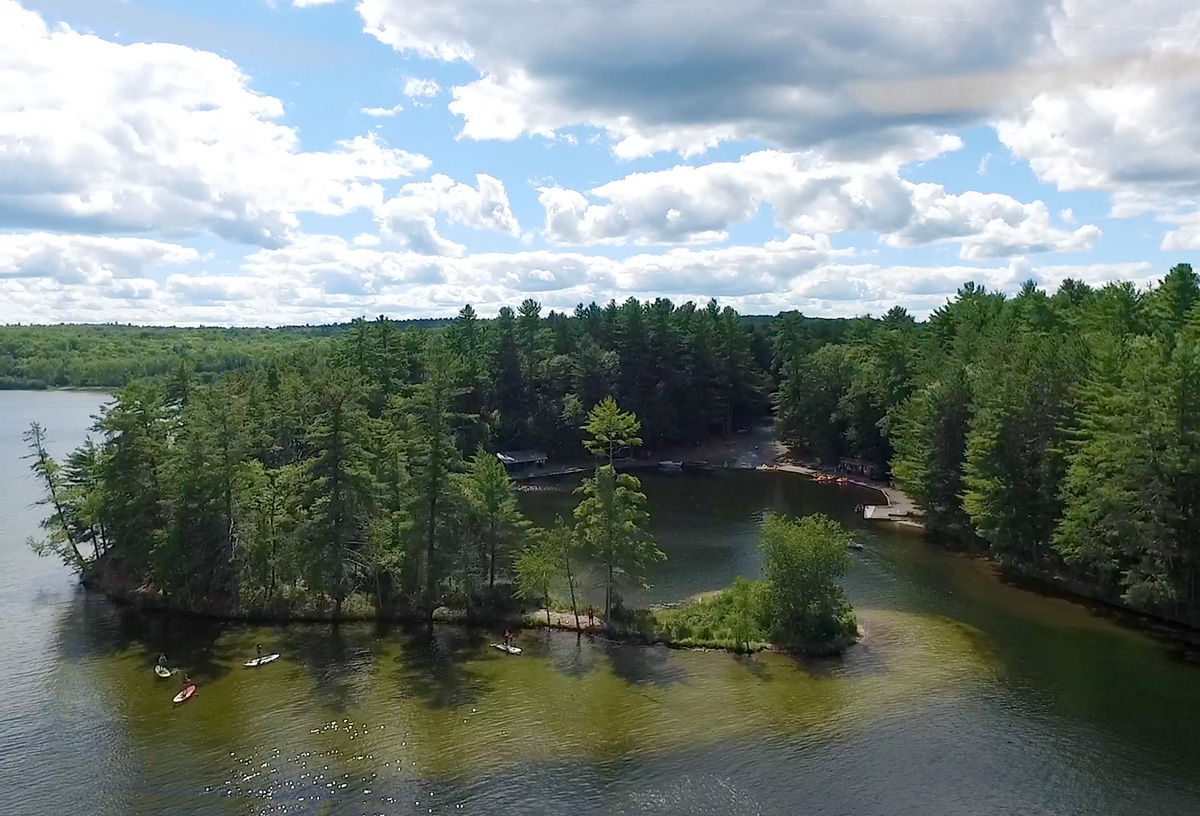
(967, 696)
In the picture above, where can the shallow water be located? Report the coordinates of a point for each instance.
(967, 696)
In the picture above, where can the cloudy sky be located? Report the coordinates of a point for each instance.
(271, 162)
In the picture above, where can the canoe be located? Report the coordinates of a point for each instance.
(184, 695)
(162, 671)
(513, 650)
(260, 661)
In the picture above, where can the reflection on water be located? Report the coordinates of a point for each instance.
(966, 696)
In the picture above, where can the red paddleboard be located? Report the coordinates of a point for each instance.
(186, 694)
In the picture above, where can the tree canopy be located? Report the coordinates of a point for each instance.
(1060, 432)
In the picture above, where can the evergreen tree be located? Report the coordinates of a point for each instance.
(610, 521)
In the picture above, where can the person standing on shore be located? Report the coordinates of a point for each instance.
(591, 617)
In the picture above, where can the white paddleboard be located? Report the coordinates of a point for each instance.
(509, 649)
(260, 661)
(162, 671)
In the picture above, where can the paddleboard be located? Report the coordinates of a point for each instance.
(260, 661)
(509, 649)
(162, 671)
(186, 694)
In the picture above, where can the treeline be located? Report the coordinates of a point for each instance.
(363, 469)
(109, 356)
(1061, 431)
(292, 491)
(533, 373)
(301, 491)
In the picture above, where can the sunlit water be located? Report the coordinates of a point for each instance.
(967, 696)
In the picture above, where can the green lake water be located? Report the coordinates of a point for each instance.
(966, 697)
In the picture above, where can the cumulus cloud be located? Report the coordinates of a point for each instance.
(86, 259)
(1087, 109)
(1186, 235)
(1125, 122)
(326, 278)
(804, 272)
(410, 218)
(100, 137)
(989, 225)
(658, 76)
(808, 194)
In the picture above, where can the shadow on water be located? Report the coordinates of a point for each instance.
(571, 656)
(643, 665)
(93, 627)
(334, 656)
(753, 666)
(433, 668)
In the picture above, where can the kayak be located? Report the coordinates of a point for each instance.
(260, 661)
(509, 649)
(162, 671)
(184, 695)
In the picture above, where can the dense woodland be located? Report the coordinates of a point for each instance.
(1060, 432)
(110, 355)
(360, 469)
(686, 371)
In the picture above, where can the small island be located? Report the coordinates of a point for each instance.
(334, 489)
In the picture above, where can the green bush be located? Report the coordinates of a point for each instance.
(732, 619)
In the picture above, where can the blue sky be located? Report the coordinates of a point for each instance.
(298, 161)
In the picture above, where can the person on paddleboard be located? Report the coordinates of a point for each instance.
(259, 649)
(162, 660)
(187, 681)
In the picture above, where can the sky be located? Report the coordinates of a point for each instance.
(283, 162)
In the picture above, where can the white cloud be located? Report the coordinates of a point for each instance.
(808, 194)
(414, 87)
(85, 259)
(1186, 236)
(989, 225)
(410, 217)
(664, 77)
(100, 137)
(392, 111)
(799, 272)
(1067, 215)
(1123, 118)
(325, 278)
(983, 164)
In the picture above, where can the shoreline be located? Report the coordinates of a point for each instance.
(532, 621)
(106, 581)
(903, 511)
(742, 449)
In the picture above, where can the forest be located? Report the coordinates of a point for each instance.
(111, 355)
(1059, 433)
(357, 475)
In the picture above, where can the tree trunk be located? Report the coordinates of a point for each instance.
(430, 583)
(491, 559)
(58, 508)
(608, 594)
(571, 585)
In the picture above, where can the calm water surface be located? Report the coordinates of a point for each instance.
(967, 697)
